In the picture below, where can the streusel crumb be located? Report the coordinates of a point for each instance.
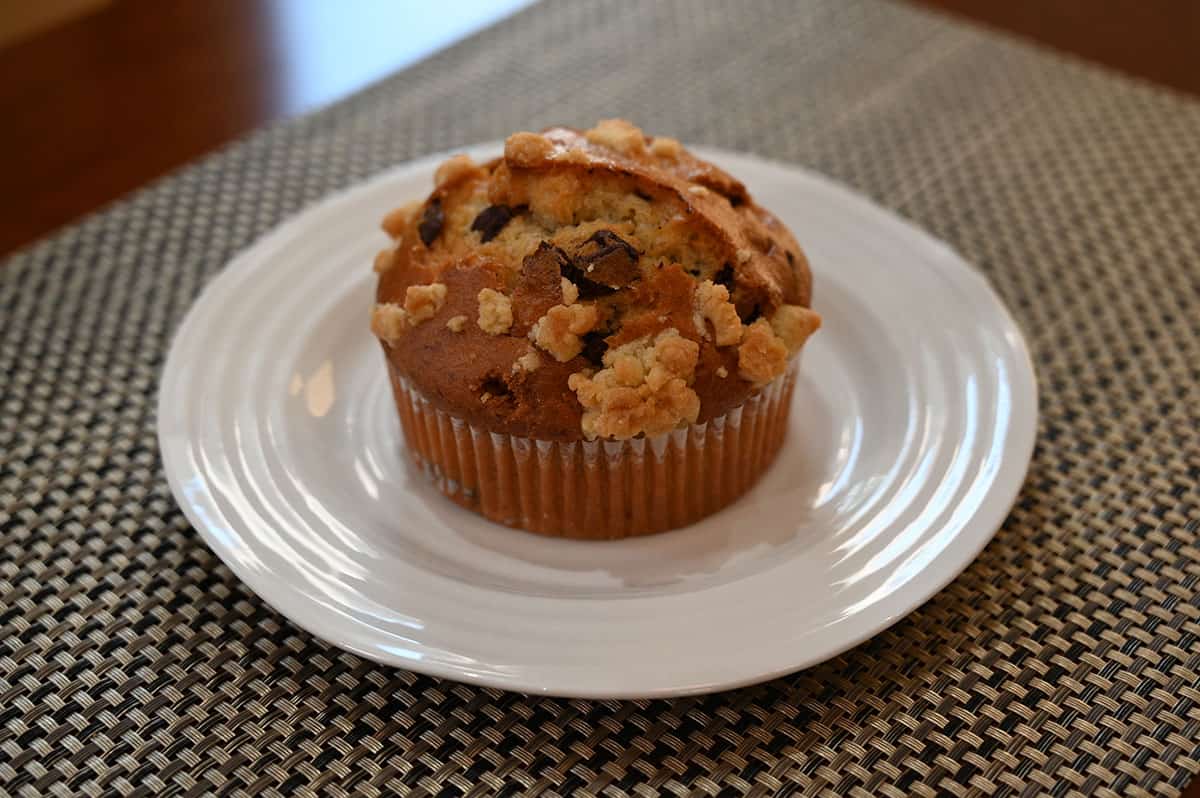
(570, 292)
(558, 331)
(712, 304)
(388, 321)
(665, 147)
(619, 135)
(643, 389)
(526, 148)
(794, 324)
(454, 168)
(530, 361)
(762, 356)
(396, 220)
(423, 301)
(495, 312)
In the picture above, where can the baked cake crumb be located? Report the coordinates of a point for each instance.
(388, 321)
(697, 190)
(722, 372)
(495, 312)
(422, 301)
(744, 255)
(762, 356)
(643, 389)
(559, 331)
(712, 304)
(456, 323)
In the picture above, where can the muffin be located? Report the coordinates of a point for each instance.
(594, 336)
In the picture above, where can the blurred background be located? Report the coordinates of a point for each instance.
(100, 96)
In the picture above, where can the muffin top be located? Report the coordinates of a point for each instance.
(595, 284)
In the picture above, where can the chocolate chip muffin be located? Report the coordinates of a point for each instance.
(592, 336)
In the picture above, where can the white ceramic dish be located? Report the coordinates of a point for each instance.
(913, 427)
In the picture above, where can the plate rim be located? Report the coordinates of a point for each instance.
(996, 504)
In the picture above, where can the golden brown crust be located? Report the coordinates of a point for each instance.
(575, 244)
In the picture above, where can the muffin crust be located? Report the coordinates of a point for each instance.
(615, 286)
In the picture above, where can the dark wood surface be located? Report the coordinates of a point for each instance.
(101, 105)
(1154, 39)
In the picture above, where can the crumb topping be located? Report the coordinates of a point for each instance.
(453, 169)
(558, 332)
(762, 356)
(619, 135)
(606, 253)
(522, 149)
(388, 321)
(794, 324)
(713, 305)
(644, 388)
(570, 292)
(665, 147)
(422, 301)
(394, 223)
(530, 361)
(495, 312)
(385, 258)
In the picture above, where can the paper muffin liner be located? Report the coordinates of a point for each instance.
(598, 489)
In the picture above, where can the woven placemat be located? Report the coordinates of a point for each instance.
(1064, 661)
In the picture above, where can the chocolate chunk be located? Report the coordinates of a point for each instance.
(724, 276)
(607, 259)
(588, 289)
(492, 219)
(547, 259)
(539, 285)
(431, 222)
(594, 347)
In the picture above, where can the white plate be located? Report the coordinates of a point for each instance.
(913, 427)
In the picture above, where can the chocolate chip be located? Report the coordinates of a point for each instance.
(736, 200)
(539, 285)
(431, 222)
(492, 219)
(791, 259)
(594, 347)
(545, 258)
(588, 289)
(724, 276)
(608, 260)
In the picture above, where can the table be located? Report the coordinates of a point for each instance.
(1064, 661)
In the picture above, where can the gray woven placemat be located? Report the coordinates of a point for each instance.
(1064, 661)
